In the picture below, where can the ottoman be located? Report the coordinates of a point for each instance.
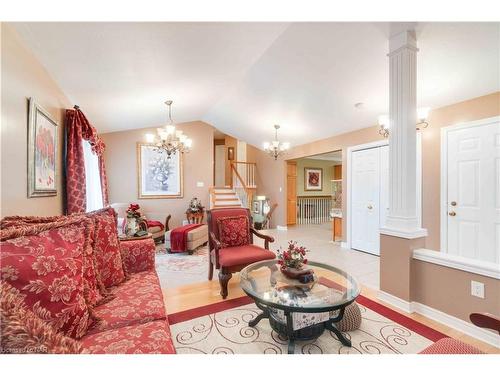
(195, 238)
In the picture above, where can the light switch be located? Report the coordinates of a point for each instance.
(200, 184)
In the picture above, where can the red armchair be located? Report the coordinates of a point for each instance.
(231, 243)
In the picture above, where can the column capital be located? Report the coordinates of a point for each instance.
(404, 40)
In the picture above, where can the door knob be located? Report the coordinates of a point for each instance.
(453, 203)
(452, 213)
(370, 206)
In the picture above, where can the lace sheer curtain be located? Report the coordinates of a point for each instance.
(92, 178)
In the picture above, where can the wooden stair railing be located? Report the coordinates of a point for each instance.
(243, 180)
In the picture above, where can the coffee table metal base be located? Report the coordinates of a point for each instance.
(308, 333)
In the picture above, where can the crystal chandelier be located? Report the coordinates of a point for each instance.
(384, 123)
(168, 139)
(276, 148)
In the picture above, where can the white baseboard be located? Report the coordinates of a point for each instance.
(395, 301)
(281, 227)
(489, 337)
(470, 329)
(344, 245)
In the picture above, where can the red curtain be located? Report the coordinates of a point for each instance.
(78, 128)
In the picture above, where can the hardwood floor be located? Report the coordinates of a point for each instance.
(205, 293)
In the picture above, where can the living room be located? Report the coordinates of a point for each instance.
(227, 187)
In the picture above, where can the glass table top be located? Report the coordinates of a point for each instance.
(331, 289)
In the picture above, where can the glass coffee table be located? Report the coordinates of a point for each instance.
(299, 311)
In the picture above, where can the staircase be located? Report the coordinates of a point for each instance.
(224, 197)
(241, 191)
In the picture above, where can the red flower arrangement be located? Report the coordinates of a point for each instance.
(293, 256)
(133, 211)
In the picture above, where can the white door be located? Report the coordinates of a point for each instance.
(365, 200)
(473, 196)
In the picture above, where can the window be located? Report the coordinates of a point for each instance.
(92, 178)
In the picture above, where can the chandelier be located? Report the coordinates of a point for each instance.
(168, 139)
(384, 123)
(276, 148)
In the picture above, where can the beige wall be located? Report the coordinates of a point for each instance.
(470, 110)
(121, 166)
(327, 167)
(448, 290)
(474, 109)
(23, 77)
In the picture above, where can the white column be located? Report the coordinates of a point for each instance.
(402, 218)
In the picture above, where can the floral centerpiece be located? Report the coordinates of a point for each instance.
(134, 220)
(195, 205)
(292, 261)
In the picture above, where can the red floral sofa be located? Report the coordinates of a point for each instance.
(76, 282)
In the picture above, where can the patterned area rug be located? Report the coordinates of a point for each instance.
(181, 269)
(222, 328)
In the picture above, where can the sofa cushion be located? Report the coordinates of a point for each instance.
(93, 287)
(450, 346)
(138, 255)
(45, 262)
(239, 255)
(234, 230)
(148, 338)
(137, 300)
(107, 247)
(23, 332)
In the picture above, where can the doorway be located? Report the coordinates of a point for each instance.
(368, 193)
(369, 197)
(470, 195)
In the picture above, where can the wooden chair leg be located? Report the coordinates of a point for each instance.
(223, 280)
(210, 268)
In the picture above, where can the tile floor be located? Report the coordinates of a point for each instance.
(176, 270)
(317, 239)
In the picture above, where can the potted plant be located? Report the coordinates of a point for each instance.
(293, 261)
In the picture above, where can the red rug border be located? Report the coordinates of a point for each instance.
(411, 324)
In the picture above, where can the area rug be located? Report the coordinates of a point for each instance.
(222, 328)
(179, 269)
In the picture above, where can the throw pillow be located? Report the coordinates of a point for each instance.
(95, 292)
(107, 247)
(45, 262)
(234, 230)
(23, 332)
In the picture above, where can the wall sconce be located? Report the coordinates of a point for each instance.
(384, 122)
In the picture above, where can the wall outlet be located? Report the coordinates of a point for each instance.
(477, 289)
(200, 184)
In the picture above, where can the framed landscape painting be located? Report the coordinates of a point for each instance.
(42, 152)
(313, 179)
(158, 176)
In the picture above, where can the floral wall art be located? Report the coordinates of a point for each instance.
(42, 146)
(158, 175)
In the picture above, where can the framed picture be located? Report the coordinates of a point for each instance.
(313, 179)
(256, 207)
(42, 152)
(158, 176)
(230, 153)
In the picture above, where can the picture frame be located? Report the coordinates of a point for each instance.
(313, 179)
(159, 177)
(42, 152)
(230, 153)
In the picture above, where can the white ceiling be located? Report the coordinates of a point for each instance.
(244, 77)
